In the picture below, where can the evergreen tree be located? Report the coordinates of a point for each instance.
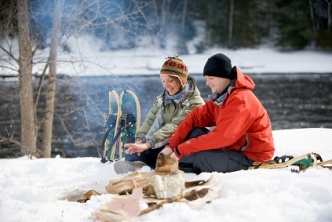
(293, 23)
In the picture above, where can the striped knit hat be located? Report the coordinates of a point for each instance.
(174, 66)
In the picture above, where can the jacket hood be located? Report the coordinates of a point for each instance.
(243, 81)
(192, 85)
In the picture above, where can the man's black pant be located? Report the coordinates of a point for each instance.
(217, 160)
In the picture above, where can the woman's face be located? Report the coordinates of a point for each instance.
(171, 84)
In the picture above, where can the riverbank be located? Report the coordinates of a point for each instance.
(89, 61)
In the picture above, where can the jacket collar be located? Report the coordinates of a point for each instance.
(177, 97)
(218, 99)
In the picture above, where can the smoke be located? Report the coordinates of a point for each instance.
(119, 24)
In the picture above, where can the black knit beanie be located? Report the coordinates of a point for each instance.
(219, 65)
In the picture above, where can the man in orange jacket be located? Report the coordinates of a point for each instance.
(240, 126)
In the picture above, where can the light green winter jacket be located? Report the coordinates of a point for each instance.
(167, 113)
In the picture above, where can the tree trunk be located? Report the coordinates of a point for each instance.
(28, 117)
(230, 23)
(163, 31)
(329, 19)
(49, 107)
(312, 16)
(182, 47)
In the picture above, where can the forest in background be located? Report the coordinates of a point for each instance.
(125, 24)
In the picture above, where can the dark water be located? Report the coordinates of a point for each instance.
(297, 101)
(292, 101)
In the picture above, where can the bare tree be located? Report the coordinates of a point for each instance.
(28, 113)
(182, 42)
(81, 17)
(49, 108)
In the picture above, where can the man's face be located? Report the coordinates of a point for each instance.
(217, 84)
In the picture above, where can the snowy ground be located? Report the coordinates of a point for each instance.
(46, 189)
(149, 61)
(86, 59)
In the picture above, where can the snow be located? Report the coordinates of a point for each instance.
(47, 189)
(87, 58)
(148, 61)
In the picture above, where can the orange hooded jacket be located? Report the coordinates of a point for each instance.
(241, 124)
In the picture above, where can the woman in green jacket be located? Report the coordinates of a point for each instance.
(179, 98)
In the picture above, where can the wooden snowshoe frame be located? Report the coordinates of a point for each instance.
(303, 162)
